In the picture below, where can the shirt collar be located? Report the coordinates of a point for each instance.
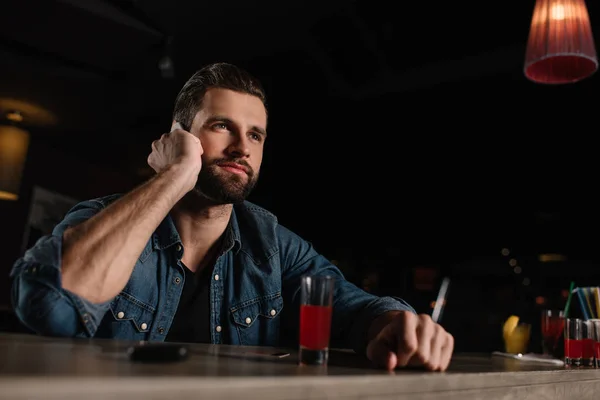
(166, 234)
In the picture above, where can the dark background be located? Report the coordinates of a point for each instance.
(404, 140)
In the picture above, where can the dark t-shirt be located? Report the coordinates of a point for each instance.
(192, 320)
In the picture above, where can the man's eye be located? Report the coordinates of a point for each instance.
(220, 126)
(256, 136)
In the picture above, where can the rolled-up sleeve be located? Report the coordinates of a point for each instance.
(38, 298)
(353, 308)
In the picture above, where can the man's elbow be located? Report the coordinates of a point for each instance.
(44, 309)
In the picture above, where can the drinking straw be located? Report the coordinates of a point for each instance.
(566, 312)
(596, 292)
(586, 293)
(584, 309)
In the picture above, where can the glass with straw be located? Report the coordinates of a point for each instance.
(580, 333)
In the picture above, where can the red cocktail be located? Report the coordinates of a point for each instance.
(573, 342)
(596, 334)
(587, 343)
(553, 324)
(315, 318)
(315, 327)
(574, 350)
(587, 352)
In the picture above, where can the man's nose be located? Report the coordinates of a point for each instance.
(239, 147)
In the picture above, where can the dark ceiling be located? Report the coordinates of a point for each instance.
(415, 113)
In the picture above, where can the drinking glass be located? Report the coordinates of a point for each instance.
(587, 343)
(553, 325)
(315, 319)
(596, 323)
(573, 342)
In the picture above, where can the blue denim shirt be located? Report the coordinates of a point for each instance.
(254, 290)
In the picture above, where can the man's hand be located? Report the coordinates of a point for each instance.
(177, 147)
(402, 338)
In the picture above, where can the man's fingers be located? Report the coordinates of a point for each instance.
(437, 342)
(447, 350)
(404, 329)
(425, 332)
(381, 354)
(413, 340)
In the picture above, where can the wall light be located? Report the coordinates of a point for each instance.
(14, 143)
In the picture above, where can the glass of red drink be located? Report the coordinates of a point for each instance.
(553, 325)
(315, 319)
(587, 343)
(573, 342)
(596, 323)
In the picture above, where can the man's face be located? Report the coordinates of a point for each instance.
(232, 130)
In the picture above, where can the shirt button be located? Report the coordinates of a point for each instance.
(216, 277)
(161, 330)
(248, 320)
(144, 326)
(178, 280)
(120, 315)
(218, 328)
(273, 312)
(178, 247)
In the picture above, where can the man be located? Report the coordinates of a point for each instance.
(184, 257)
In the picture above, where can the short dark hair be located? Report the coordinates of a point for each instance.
(217, 75)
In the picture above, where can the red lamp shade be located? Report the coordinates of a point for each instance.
(560, 48)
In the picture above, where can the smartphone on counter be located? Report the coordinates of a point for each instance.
(158, 352)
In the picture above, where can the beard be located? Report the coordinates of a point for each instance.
(222, 187)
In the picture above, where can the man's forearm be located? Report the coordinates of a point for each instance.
(98, 255)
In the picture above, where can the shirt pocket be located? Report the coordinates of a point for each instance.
(257, 321)
(131, 318)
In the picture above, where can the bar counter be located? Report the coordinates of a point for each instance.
(33, 367)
